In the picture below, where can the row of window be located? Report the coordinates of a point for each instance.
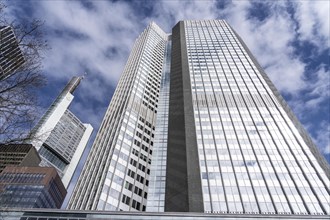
(137, 176)
(144, 147)
(138, 165)
(136, 190)
(21, 178)
(135, 204)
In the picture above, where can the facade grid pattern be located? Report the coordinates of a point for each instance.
(11, 56)
(251, 157)
(18, 155)
(122, 184)
(62, 143)
(30, 187)
(232, 148)
(59, 136)
(156, 191)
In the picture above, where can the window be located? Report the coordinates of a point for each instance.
(126, 199)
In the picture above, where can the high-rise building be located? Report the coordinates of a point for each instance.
(124, 142)
(18, 155)
(60, 137)
(195, 125)
(31, 187)
(11, 56)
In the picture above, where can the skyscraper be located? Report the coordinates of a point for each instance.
(60, 137)
(11, 57)
(195, 125)
(116, 171)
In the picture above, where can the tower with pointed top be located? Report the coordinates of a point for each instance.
(60, 137)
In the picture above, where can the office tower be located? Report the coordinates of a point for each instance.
(18, 155)
(115, 175)
(31, 187)
(11, 57)
(60, 137)
(216, 136)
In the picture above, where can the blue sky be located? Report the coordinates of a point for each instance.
(290, 39)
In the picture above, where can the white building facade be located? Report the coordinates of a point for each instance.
(253, 154)
(60, 137)
(195, 125)
(116, 173)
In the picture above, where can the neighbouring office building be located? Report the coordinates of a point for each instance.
(30, 187)
(195, 125)
(60, 137)
(18, 155)
(52, 214)
(11, 56)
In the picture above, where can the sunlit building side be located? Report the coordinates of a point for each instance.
(195, 125)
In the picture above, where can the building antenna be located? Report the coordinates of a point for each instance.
(84, 75)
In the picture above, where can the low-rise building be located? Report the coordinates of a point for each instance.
(18, 155)
(31, 187)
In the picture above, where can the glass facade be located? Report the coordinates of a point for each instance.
(251, 155)
(60, 137)
(30, 187)
(62, 142)
(116, 174)
(156, 193)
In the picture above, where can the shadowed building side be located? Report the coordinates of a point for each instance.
(183, 184)
(18, 155)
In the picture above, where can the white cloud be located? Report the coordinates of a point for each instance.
(115, 25)
(322, 138)
(270, 42)
(319, 90)
(314, 21)
(316, 92)
(99, 38)
(95, 39)
(107, 25)
(167, 13)
(85, 35)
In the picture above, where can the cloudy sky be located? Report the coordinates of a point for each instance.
(290, 39)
